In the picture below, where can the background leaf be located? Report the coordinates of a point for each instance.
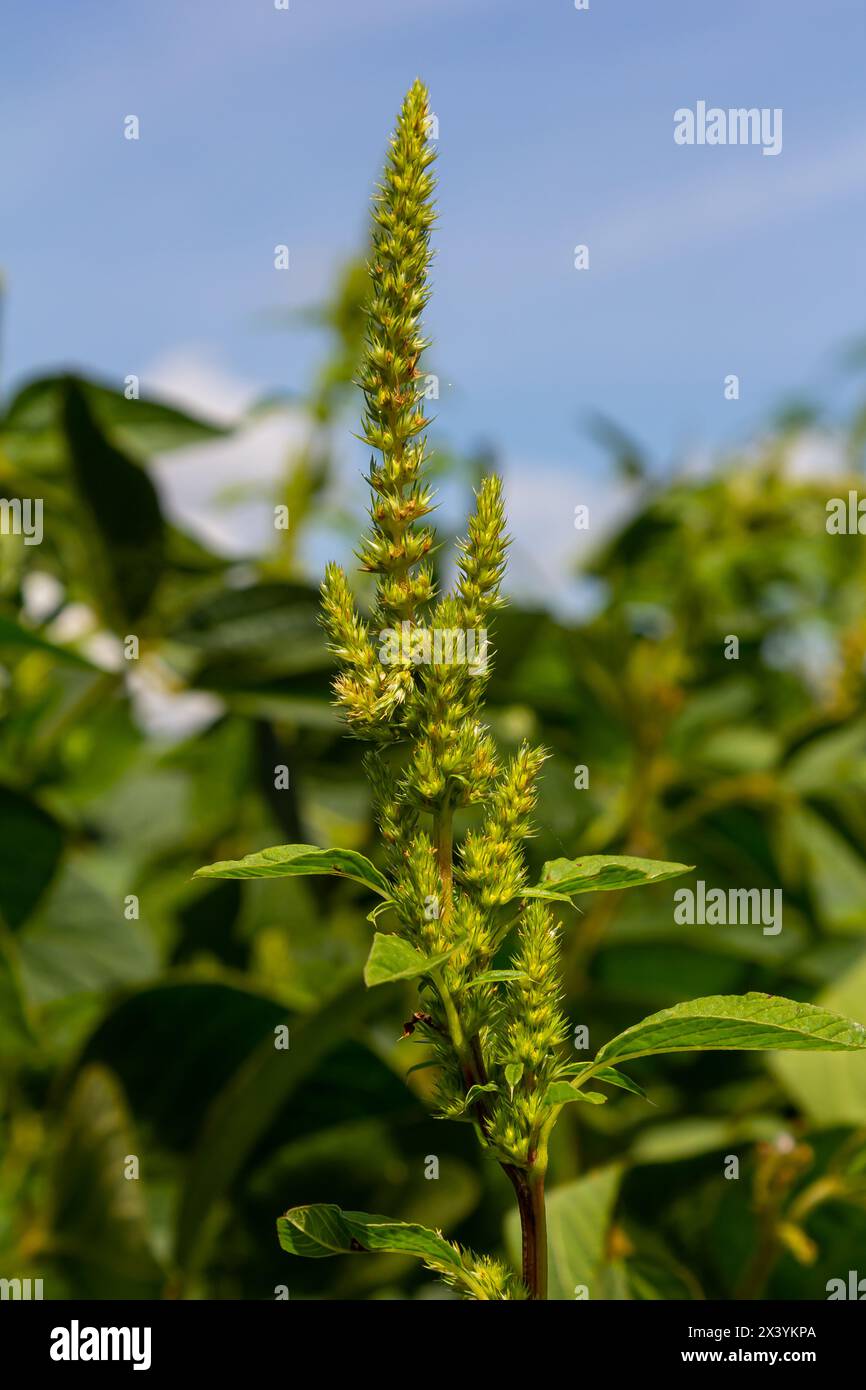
(31, 843)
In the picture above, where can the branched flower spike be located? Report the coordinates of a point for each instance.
(411, 681)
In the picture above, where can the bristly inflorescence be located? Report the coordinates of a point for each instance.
(407, 684)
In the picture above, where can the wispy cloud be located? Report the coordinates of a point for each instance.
(704, 213)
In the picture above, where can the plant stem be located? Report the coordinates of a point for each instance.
(443, 831)
(529, 1187)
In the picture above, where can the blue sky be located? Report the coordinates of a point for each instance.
(261, 126)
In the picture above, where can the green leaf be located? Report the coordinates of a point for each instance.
(392, 958)
(147, 426)
(833, 870)
(31, 843)
(475, 1091)
(513, 1073)
(492, 977)
(736, 1022)
(15, 1031)
(601, 873)
(562, 1092)
(79, 942)
(322, 1230)
(99, 1217)
(13, 636)
(317, 1232)
(253, 636)
(247, 1106)
(545, 894)
(286, 861)
(121, 509)
(608, 1074)
(831, 1090)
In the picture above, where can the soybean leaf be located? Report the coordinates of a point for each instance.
(248, 1105)
(601, 873)
(249, 637)
(15, 1031)
(79, 942)
(392, 958)
(736, 1022)
(286, 861)
(13, 636)
(831, 1090)
(99, 1219)
(120, 508)
(32, 422)
(31, 842)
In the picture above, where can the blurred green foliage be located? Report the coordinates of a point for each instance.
(138, 1007)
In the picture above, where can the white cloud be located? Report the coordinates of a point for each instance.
(194, 482)
(547, 551)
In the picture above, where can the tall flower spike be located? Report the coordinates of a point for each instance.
(394, 422)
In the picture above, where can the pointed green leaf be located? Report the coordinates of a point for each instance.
(736, 1022)
(608, 1074)
(322, 1230)
(392, 958)
(600, 873)
(562, 1092)
(475, 1091)
(513, 1073)
(284, 861)
(319, 1231)
(545, 894)
(492, 977)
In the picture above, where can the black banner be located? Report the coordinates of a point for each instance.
(229, 1339)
